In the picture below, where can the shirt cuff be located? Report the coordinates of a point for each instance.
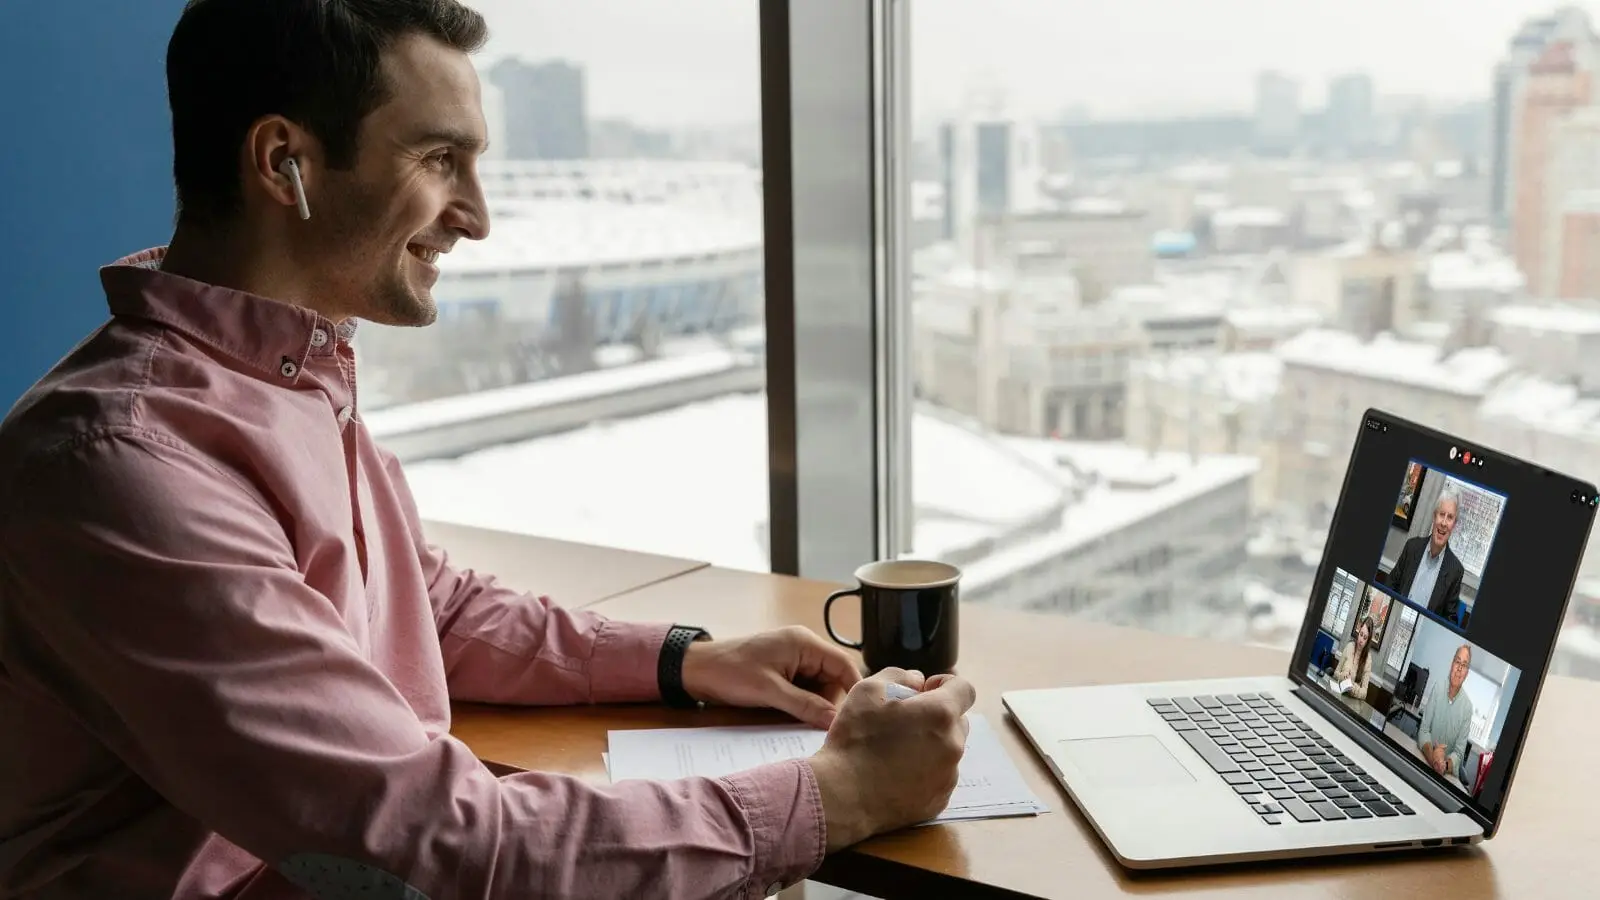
(784, 807)
(623, 668)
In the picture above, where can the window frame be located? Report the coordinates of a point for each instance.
(835, 152)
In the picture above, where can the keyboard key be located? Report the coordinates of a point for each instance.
(1174, 717)
(1271, 818)
(1346, 779)
(1324, 783)
(1306, 789)
(1380, 808)
(1282, 793)
(1252, 767)
(1404, 809)
(1347, 802)
(1363, 795)
(1185, 726)
(1159, 701)
(1326, 810)
(1209, 752)
(1306, 765)
(1214, 730)
(1209, 702)
(1357, 813)
(1239, 755)
(1301, 811)
(1188, 705)
(1238, 778)
(1264, 808)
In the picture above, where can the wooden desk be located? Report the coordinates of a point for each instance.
(572, 574)
(1541, 851)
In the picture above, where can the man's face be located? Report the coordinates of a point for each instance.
(1444, 522)
(1458, 668)
(413, 192)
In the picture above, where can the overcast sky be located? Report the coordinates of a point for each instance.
(692, 62)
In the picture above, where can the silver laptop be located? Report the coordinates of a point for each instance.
(1432, 622)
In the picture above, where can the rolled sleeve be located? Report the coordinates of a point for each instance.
(784, 807)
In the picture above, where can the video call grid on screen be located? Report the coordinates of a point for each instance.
(1528, 570)
(1407, 553)
(1402, 681)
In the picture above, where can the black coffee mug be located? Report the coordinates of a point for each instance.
(909, 615)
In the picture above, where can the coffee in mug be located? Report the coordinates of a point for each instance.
(908, 615)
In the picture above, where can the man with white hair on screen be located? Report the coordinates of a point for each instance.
(1428, 571)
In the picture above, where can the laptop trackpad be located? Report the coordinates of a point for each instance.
(1133, 761)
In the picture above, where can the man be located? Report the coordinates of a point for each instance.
(1447, 719)
(226, 649)
(1428, 571)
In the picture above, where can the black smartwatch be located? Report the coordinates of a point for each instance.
(669, 668)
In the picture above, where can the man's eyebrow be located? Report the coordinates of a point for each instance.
(460, 139)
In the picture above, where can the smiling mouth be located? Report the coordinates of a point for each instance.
(425, 254)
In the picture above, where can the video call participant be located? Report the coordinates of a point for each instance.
(1428, 571)
(1446, 719)
(1355, 660)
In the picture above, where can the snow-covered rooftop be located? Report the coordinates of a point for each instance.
(692, 481)
(1274, 320)
(560, 233)
(1469, 372)
(1538, 404)
(1125, 486)
(1475, 269)
(1248, 217)
(1549, 319)
(1239, 377)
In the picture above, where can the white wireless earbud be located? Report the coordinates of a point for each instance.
(291, 168)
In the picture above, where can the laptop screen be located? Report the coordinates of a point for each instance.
(1441, 592)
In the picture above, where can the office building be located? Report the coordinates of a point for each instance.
(1365, 287)
(1349, 120)
(1569, 23)
(1022, 354)
(1277, 113)
(1330, 378)
(1557, 84)
(1206, 404)
(1106, 242)
(546, 112)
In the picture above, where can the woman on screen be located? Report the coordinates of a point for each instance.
(1355, 660)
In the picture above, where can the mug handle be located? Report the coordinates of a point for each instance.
(827, 621)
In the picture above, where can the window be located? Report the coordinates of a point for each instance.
(1336, 169)
(597, 369)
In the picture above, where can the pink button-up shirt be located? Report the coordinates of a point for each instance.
(227, 652)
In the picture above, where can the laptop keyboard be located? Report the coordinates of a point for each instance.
(1277, 765)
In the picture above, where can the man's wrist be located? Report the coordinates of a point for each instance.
(670, 665)
(844, 815)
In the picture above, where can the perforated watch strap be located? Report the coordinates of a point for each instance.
(669, 668)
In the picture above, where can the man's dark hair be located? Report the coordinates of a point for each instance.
(314, 62)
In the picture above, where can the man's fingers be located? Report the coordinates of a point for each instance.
(910, 678)
(803, 705)
(826, 663)
(953, 690)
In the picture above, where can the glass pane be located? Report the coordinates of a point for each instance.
(597, 372)
(1145, 269)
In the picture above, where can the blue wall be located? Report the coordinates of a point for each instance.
(87, 166)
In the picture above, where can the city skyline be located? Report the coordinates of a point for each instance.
(695, 63)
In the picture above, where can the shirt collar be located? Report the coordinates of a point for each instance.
(274, 337)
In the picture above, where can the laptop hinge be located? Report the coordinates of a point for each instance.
(1396, 761)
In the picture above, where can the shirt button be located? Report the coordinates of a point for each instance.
(345, 415)
(319, 338)
(288, 369)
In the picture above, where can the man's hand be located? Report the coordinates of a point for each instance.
(791, 669)
(888, 763)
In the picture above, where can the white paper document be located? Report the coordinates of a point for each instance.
(990, 785)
